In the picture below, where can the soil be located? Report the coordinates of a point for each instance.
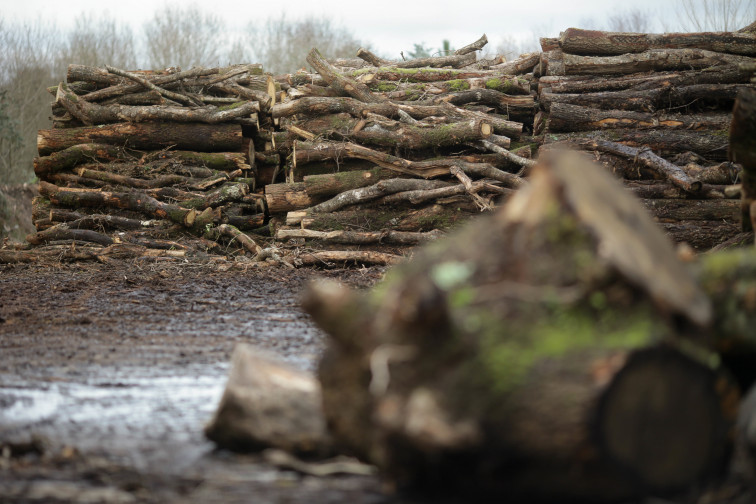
(109, 372)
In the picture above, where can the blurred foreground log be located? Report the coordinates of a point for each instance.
(534, 353)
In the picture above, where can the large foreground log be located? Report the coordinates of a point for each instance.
(145, 136)
(532, 355)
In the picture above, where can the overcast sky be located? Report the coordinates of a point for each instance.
(389, 25)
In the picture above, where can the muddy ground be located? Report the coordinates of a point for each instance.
(109, 372)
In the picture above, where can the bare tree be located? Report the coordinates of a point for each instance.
(715, 15)
(633, 20)
(99, 41)
(183, 36)
(281, 45)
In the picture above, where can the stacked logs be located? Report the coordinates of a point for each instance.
(138, 157)
(656, 109)
(388, 154)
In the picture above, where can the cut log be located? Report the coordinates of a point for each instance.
(565, 117)
(453, 61)
(492, 364)
(63, 232)
(330, 184)
(359, 237)
(225, 161)
(136, 201)
(266, 403)
(145, 136)
(286, 197)
(594, 43)
(651, 60)
(375, 191)
(475, 46)
(521, 65)
(341, 82)
(710, 144)
(329, 257)
(90, 113)
(394, 74)
(653, 189)
(74, 155)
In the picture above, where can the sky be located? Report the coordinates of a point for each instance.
(390, 26)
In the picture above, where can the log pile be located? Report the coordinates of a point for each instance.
(656, 109)
(363, 158)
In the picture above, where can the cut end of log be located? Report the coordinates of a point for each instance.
(662, 421)
(486, 129)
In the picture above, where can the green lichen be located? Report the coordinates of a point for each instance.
(386, 87)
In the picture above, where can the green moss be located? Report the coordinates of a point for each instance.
(458, 85)
(508, 356)
(386, 87)
(231, 106)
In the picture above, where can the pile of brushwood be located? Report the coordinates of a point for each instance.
(362, 159)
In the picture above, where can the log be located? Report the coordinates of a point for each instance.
(453, 61)
(375, 217)
(647, 61)
(186, 100)
(63, 232)
(327, 258)
(245, 241)
(410, 91)
(330, 184)
(394, 74)
(145, 136)
(77, 220)
(382, 188)
(701, 235)
(420, 196)
(267, 403)
(510, 105)
(565, 117)
(74, 155)
(136, 201)
(359, 237)
(286, 197)
(343, 83)
(710, 144)
(742, 149)
(482, 368)
(669, 210)
(224, 161)
(590, 84)
(394, 134)
(90, 113)
(594, 43)
(475, 46)
(522, 65)
(654, 189)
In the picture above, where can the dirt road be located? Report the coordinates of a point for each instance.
(108, 373)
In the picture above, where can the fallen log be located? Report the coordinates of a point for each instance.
(594, 43)
(77, 220)
(669, 210)
(64, 232)
(653, 189)
(330, 184)
(453, 61)
(374, 217)
(289, 196)
(564, 117)
(145, 136)
(382, 188)
(394, 74)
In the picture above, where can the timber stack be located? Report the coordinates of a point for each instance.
(361, 159)
(656, 109)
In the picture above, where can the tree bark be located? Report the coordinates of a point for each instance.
(592, 42)
(652, 60)
(341, 82)
(136, 201)
(359, 237)
(145, 136)
(564, 117)
(76, 154)
(90, 113)
(710, 144)
(453, 61)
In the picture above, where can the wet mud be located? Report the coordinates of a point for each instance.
(109, 372)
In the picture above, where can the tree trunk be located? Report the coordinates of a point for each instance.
(591, 42)
(145, 136)
(653, 60)
(564, 117)
(139, 202)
